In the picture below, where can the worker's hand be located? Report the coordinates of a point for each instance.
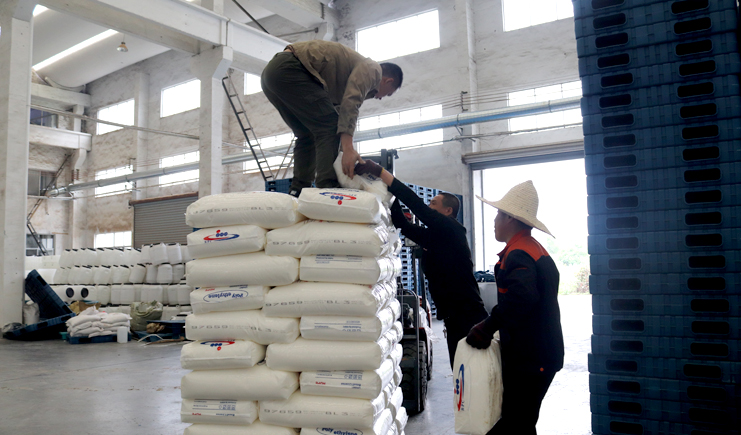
(480, 336)
(349, 158)
(369, 167)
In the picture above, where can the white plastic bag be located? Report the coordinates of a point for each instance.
(320, 237)
(478, 388)
(234, 298)
(350, 269)
(226, 240)
(340, 205)
(325, 299)
(303, 355)
(366, 182)
(253, 269)
(241, 325)
(264, 209)
(241, 412)
(218, 355)
(255, 428)
(255, 383)
(383, 424)
(396, 401)
(358, 384)
(347, 328)
(401, 420)
(301, 410)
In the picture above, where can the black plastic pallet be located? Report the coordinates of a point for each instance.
(657, 33)
(667, 347)
(50, 305)
(689, 199)
(93, 340)
(666, 241)
(663, 389)
(662, 158)
(720, 415)
(667, 220)
(623, 425)
(711, 175)
(282, 186)
(637, 325)
(666, 368)
(706, 307)
(588, 8)
(685, 114)
(666, 262)
(647, 15)
(696, 283)
(686, 93)
(47, 330)
(659, 74)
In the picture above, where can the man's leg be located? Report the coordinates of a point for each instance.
(522, 396)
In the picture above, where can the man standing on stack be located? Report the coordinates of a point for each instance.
(318, 87)
(527, 315)
(446, 259)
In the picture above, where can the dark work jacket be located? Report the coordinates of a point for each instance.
(527, 314)
(446, 259)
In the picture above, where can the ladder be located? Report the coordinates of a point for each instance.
(244, 124)
(35, 207)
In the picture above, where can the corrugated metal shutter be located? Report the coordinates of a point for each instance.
(161, 221)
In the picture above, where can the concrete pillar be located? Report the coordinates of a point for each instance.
(141, 119)
(210, 67)
(15, 97)
(214, 5)
(77, 122)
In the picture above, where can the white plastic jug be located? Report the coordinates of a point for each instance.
(164, 273)
(158, 254)
(137, 274)
(116, 294)
(128, 294)
(174, 256)
(185, 254)
(138, 292)
(102, 275)
(151, 277)
(145, 257)
(103, 294)
(178, 272)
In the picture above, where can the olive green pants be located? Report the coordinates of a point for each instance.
(305, 106)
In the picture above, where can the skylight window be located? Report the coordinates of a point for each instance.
(519, 14)
(542, 94)
(252, 84)
(409, 35)
(424, 138)
(84, 44)
(113, 189)
(180, 177)
(121, 113)
(181, 98)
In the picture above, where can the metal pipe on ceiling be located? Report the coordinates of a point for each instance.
(458, 120)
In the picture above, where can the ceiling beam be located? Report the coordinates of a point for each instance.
(306, 13)
(42, 94)
(55, 137)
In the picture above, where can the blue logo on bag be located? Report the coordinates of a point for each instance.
(215, 296)
(460, 384)
(220, 236)
(328, 431)
(217, 344)
(339, 196)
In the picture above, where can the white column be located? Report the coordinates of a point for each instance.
(210, 67)
(15, 98)
(141, 119)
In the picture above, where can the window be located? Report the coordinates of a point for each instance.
(120, 239)
(44, 119)
(266, 143)
(121, 113)
(180, 159)
(252, 84)
(39, 181)
(181, 98)
(519, 14)
(397, 118)
(545, 120)
(32, 248)
(113, 188)
(398, 38)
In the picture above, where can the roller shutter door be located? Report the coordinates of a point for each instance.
(161, 221)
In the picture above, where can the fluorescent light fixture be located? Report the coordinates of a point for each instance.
(75, 49)
(38, 10)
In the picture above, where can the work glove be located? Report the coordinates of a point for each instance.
(369, 167)
(480, 336)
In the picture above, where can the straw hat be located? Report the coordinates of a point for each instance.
(521, 202)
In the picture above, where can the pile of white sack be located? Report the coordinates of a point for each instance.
(94, 323)
(118, 277)
(333, 335)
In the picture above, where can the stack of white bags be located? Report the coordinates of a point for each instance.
(333, 334)
(94, 323)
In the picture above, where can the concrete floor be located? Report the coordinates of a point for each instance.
(54, 387)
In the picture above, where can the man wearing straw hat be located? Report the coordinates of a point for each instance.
(527, 315)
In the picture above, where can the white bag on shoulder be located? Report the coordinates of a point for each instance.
(478, 388)
(340, 205)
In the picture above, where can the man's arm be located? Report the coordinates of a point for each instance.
(416, 233)
(362, 80)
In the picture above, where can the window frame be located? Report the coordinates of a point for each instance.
(359, 49)
(520, 2)
(125, 187)
(112, 128)
(563, 94)
(114, 235)
(182, 181)
(162, 98)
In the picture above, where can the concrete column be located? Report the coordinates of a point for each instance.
(210, 67)
(214, 5)
(15, 97)
(77, 122)
(141, 119)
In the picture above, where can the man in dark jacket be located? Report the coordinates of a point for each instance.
(446, 259)
(527, 315)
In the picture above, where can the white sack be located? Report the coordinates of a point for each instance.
(350, 269)
(174, 255)
(168, 313)
(226, 240)
(320, 237)
(396, 354)
(183, 294)
(396, 401)
(367, 182)
(218, 355)
(255, 383)
(255, 428)
(264, 209)
(234, 298)
(401, 419)
(241, 325)
(301, 410)
(242, 412)
(255, 269)
(347, 328)
(325, 299)
(340, 205)
(358, 384)
(478, 388)
(31, 313)
(382, 426)
(303, 355)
